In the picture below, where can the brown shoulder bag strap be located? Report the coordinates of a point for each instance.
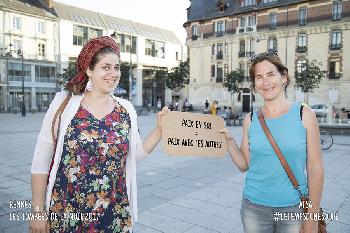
(279, 153)
(58, 114)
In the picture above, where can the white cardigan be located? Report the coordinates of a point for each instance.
(44, 146)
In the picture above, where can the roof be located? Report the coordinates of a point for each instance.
(87, 17)
(26, 6)
(208, 9)
(78, 15)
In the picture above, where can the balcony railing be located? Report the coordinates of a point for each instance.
(241, 54)
(208, 35)
(220, 33)
(219, 56)
(242, 30)
(309, 20)
(301, 49)
(335, 46)
(334, 76)
(336, 16)
(272, 26)
(302, 22)
(250, 54)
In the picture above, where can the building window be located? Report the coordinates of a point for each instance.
(15, 72)
(241, 52)
(41, 27)
(177, 55)
(247, 3)
(82, 34)
(219, 75)
(16, 22)
(212, 70)
(221, 7)
(272, 44)
(335, 40)
(269, 1)
(220, 28)
(334, 68)
(273, 20)
(17, 46)
(78, 35)
(213, 49)
(302, 16)
(302, 43)
(220, 54)
(155, 48)
(251, 21)
(194, 32)
(337, 10)
(129, 44)
(41, 49)
(45, 74)
(242, 21)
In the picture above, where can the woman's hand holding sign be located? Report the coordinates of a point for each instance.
(240, 156)
(154, 137)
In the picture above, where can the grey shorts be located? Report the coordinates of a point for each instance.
(261, 219)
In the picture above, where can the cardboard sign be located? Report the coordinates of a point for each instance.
(193, 134)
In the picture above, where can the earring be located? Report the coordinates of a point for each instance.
(89, 85)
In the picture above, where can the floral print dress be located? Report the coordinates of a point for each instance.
(89, 194)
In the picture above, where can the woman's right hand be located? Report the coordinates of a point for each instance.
(39, 226)
(227, 133)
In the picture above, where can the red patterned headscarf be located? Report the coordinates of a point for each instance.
(78, 83)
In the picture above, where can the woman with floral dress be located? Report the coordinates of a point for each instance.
(91, 185)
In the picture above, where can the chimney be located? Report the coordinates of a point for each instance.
(47, 3)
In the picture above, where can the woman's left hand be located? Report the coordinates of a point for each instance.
(309, 226)
(160, 117)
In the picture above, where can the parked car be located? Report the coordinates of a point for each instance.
(321, 110)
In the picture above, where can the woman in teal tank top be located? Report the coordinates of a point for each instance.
(268, 194)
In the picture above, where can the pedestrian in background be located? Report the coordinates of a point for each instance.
(267, 188)
(213, 108)
(94, 165)
(206, 107)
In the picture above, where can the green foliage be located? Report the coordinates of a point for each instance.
(67, 74)
(179, 77)
(310, 76)
(124, 77)
(234, 80)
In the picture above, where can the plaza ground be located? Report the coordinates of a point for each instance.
(175, 194)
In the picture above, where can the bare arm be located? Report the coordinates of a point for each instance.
(315, 173)
(151, 141)
(240, 156)
(314, 166)
(39, 184)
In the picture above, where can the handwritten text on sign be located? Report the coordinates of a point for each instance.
(193, 134)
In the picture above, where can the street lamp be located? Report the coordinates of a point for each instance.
(20, 53)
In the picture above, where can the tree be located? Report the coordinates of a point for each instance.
(124, 77)
(234, 80)
(67, 74)
(178, 78)
(308, 77)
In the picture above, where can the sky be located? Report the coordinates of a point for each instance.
(166, 14)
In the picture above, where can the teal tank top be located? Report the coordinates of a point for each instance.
(266, 182)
